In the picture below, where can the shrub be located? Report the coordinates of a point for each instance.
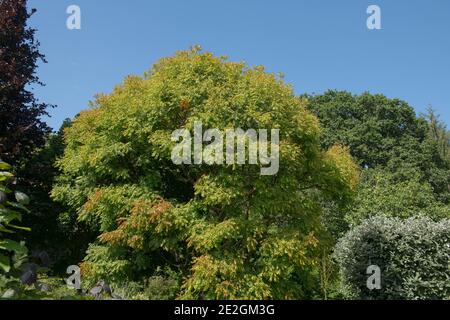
(413, 256)
(12, 253)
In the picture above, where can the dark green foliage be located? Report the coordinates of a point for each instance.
(413, 255)
(384, 134)
(52, 229)
(381, 193)
(12, 205)
(438, 133)
(12, 252)
(374, 127)
(15, 260)
(404, 171)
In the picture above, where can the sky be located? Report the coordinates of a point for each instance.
(317, 44)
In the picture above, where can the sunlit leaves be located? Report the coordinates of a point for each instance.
(229, 231)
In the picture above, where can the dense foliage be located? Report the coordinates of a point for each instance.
(227, 231)
(21, 127)
(53, 229)
(381, 193)
(413, 256)
(363, 171)
(403, 158)
(12, 204)
(386, 134)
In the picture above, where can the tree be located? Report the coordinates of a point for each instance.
(226, 230)
(381, 193)
(403, 170)
(21, 127)
(375, 128)
(438, 132)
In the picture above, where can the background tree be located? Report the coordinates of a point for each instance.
(375, 128)
(404, 171)
(21, 127)
(438, 132)
(225, 230)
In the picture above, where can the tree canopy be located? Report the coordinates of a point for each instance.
(21, 127)
(403, 157)
(228, 231)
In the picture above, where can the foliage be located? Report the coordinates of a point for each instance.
(438, 132)
(380, 193)
(21, 127)
(12, 252)
(14, 257)
(52, 229)
(10, 211)
(404, 172)
(164, 285)
(374, 127)
(230, 232)
(413, 255)
(383, 134)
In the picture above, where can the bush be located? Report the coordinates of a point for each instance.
(413, 256)
(12, 253)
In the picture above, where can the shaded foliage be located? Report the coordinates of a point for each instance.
(52, 228)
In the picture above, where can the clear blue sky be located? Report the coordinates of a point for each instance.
(317, 44)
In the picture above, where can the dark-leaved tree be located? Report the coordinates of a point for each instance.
(21, 127)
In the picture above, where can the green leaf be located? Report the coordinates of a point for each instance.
(11, 245)
(19, 227)
(18, 206)
(7, 215)
(4, 263)
(22, 198)
(5, 175)
(4, 166)
(5, 189)
(4, 230)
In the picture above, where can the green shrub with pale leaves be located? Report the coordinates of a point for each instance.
(413, 255)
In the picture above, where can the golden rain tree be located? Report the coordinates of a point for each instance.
(227, 231)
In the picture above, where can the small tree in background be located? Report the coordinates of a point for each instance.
(438, 132)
